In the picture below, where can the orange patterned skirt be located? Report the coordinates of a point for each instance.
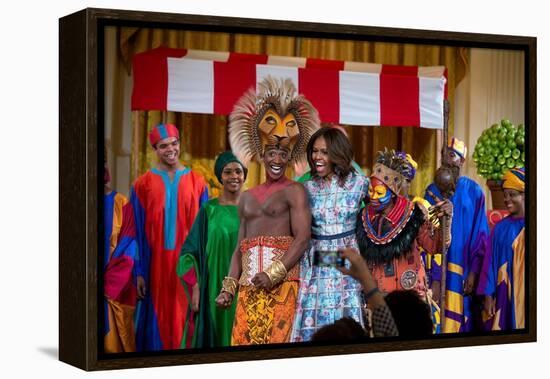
(264, 316)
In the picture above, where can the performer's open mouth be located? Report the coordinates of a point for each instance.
(276, 169)
(320, 166)
(170, 156)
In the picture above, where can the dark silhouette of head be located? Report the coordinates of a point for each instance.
(446, 178)
(411, 314)
(344, 330)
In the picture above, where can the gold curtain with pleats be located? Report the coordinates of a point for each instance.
(204, 136)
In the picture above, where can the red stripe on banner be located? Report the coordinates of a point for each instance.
(391, 69)
(325, 64)
(231, 80)
(445, 74)
(322, 88)
(150, 71)
(399, 100)
(247, 58)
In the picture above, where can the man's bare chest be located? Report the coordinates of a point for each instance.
(275, 206)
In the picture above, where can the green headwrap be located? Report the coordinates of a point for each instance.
(223, 159)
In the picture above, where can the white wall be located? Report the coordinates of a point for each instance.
(492, 90)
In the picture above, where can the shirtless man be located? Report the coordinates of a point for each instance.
(275, 218)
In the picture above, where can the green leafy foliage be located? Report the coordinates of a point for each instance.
(499, 148)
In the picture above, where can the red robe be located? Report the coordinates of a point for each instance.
(164, 212)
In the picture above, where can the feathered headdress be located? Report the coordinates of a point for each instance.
(409, 170)
(388, 169)
(248, 141)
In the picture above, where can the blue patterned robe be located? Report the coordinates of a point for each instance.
(503, 274)
(469, 231)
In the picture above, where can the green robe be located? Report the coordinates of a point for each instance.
(209, 247)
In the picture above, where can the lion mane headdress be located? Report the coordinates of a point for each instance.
(250, 134)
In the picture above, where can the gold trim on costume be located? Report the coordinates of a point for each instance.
(502, 276)
(454, 302)
(518, 267)
(230, 285)
(457, 269)
(276, 272)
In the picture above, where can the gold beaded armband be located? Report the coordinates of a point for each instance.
(276, 272)
(230, 285)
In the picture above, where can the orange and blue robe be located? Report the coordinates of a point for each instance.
(503, 274)
(165, 209)
(120, 249)
(469, 235)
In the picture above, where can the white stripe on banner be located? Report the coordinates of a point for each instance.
(263, 71)
(359, 98)
(206, 55)
(431, 71)
(190, 85)
(374, 68)
(432, 91)
(277, 60)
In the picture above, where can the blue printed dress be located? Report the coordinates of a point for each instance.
(325, 294)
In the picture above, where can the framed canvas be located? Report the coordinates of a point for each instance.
(116, 85)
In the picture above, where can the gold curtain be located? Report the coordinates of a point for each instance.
(204, 136)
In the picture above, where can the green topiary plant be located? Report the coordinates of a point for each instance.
(498, 149)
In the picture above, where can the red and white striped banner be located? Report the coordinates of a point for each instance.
(350, 93)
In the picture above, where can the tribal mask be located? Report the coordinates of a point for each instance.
(379, 194)
(391, 178)
(275, 117)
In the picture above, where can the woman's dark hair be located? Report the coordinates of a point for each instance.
(340, 152)
(412, 315)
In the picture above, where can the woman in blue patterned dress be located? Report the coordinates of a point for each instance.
(335, 194)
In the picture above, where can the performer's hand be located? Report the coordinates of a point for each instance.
(224, 300)
(447, 208)
(141, 287)
(195, 298)
(469, 284)
(436, 291)
(489, 306)
(443, 208)
(261, 280)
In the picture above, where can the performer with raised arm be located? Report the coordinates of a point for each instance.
(408, 171)
(391, 229)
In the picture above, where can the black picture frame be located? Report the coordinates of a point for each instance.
(81, 157)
